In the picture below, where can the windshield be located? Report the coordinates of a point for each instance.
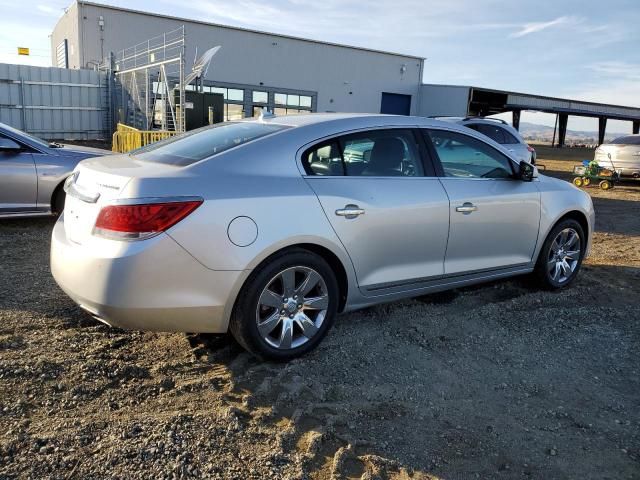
(626, 140)
(204, 142)
(23, 135)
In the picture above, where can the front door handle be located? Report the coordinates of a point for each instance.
(350, 211)
(466, 208)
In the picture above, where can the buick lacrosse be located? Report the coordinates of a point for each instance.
(269, 228)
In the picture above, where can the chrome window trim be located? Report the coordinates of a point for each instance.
(333, 136)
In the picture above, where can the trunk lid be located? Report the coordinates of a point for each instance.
(97, 182)
(618, 157)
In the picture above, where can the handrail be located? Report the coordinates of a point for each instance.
(126, 138)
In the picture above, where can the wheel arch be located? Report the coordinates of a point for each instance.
(579, 217)
(334, 261)
(573, 214)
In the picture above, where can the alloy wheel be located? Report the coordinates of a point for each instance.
(564, 255)
(292, 307)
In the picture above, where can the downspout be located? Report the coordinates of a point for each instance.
(419, 96)
(81, 28)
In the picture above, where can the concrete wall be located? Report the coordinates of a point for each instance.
(444, 100)
(54, 103)
(346, 79)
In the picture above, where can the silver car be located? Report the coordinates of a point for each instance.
(621, 154)
(269, 228)
(504, 134)
(32, 172)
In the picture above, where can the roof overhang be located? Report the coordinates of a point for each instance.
(485, 101)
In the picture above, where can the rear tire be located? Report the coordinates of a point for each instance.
(586, 182)
(606, 185)
(577, 182)
(286, 306)
(561, 255)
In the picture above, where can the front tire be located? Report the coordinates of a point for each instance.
(561, 255)
(286, 307)
(57, 205)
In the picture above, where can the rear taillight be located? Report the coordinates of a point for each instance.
(141, 221)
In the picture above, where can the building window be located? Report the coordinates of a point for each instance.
(247, 102)
(260, 97)
(289, 111)
(223, 91)
(233, 112)
(302, 104)
(235, 95)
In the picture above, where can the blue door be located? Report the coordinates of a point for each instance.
(395, 103)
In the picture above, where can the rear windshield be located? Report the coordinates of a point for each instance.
(627, 140)
(204, 142)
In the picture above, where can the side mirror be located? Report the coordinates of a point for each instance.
(7, 145)
(527, 171)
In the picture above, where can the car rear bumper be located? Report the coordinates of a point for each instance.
(152, 284)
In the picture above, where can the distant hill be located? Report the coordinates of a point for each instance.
(543, 133)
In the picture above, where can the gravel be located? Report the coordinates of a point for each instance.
(496, 381)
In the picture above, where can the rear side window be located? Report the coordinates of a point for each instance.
(204, 142)
(374, 153)
(509, 139)
(495, 133)
(324, 160)
(462, 156)
(627, 140)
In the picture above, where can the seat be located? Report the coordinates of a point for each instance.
(386, 158)
(326, 161)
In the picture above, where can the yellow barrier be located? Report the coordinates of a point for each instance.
(127, 138)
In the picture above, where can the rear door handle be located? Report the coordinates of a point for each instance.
(350, 211)
(466, 208)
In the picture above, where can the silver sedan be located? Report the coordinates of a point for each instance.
(269, 228)
(621, 154)
(32, 172)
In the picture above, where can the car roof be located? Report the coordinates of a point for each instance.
(363, 119)
(319, 125)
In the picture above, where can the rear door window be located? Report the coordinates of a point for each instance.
(373, 153)
(382, 153)
(183, 150)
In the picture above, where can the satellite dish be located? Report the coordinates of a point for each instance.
(201, 65)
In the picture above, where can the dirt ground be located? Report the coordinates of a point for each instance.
(497, 381)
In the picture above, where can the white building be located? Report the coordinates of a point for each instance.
(291, 74)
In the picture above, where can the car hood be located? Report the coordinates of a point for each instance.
(556, 183)
(80, 151)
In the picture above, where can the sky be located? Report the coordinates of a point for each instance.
(580, 49)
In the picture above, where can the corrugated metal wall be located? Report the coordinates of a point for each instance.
(55, 103)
